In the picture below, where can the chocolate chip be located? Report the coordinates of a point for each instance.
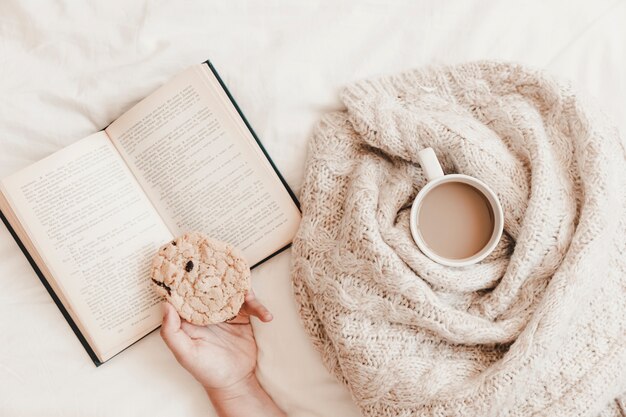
(161, 284)
(189, 266)
(174, 242)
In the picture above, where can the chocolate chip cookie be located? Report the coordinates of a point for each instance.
(206, 280)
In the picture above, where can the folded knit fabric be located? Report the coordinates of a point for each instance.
(539, 327)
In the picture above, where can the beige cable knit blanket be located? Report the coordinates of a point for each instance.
(539, 327)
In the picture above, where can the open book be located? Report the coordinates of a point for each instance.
(90, 217)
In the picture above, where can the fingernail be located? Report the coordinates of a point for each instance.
(164, 308)
(268, 316)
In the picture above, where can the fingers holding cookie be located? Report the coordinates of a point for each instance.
(173, 335)
(253, 307)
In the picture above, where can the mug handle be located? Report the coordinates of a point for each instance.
(430, 164)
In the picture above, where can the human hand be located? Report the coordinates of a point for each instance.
(222, 357)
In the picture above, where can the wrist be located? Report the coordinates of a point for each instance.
(243, 399)
(246, 387)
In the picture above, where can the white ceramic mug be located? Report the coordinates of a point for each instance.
(435, 176)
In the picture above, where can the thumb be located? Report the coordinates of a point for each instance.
(175, 338)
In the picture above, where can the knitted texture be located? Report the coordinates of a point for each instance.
(539, 327)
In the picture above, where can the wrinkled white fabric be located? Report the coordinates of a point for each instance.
(71, 67)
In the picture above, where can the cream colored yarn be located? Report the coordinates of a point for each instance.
(539, 327)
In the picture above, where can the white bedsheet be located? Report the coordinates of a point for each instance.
(68, 68)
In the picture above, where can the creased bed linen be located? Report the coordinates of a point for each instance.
(69, 68)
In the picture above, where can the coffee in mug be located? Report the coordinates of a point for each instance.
(456, 219)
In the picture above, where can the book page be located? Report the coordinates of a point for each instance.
(202, 168)
(96, 232)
